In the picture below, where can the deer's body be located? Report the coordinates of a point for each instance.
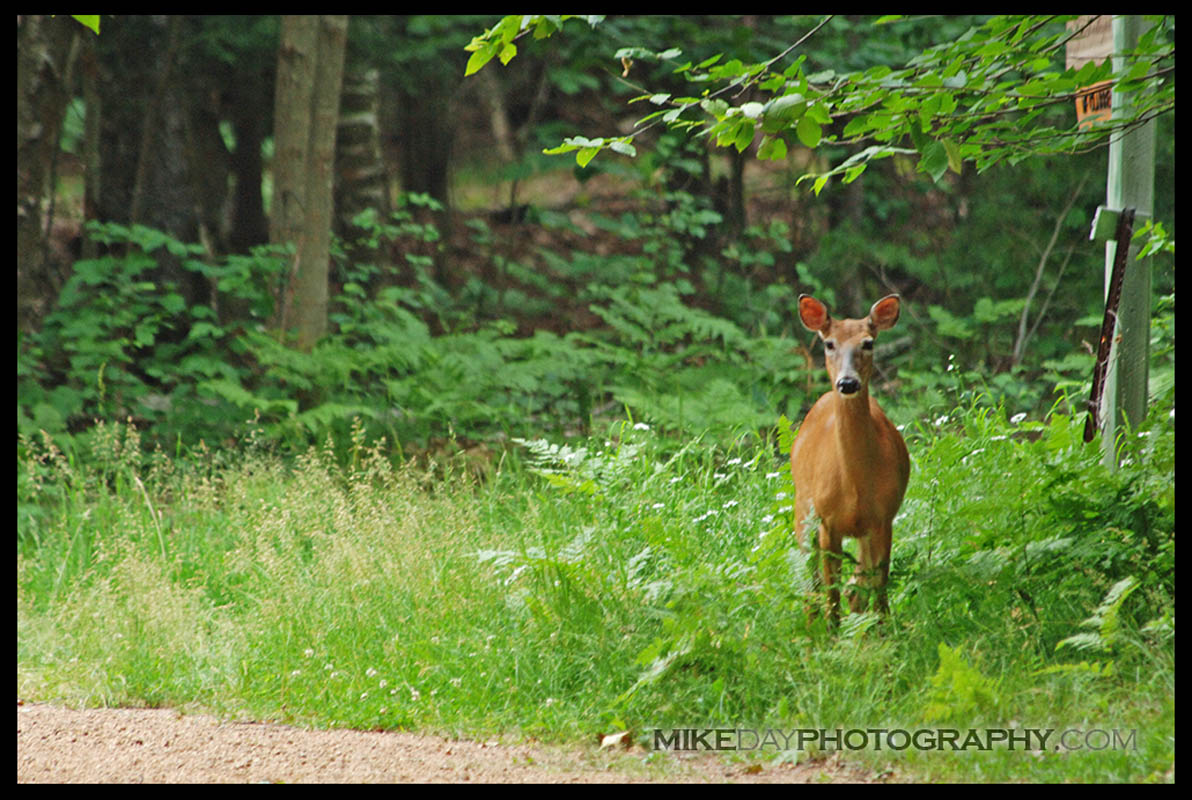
(849, 463)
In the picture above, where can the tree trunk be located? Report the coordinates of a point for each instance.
(296, 61)
(152, 121)
(147, 175)
(250, 225)
(44, 60)
(361, 179)
(498, 115)
(309, 79)
(92, 149)
(427, 137)
(209, 164)
(735, 214)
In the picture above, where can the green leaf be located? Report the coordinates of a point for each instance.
(752, 110)
(88, 20)
(576, 143)
(202, 330)
(955, 159)
(918, 138)
(856, 126)
(819, 113)
(854, 172)
(948, 324)
(716, 107)
(585, 155)
(478, 59)
(623, 147)
(744, 135)
(957, 689)
(773, 148)
(789, 104)
(983, 310)
(934, 160)
(809, 132)
(726, 132)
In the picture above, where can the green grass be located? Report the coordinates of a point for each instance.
(628, 580)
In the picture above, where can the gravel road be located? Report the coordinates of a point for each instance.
(120, 745)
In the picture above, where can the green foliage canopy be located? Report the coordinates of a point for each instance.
(985, 97)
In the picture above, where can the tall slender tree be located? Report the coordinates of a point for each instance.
(306, 110)
(44, 67)
(362, 182)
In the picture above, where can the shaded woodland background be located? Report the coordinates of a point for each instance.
(480, 289)
(340, 403)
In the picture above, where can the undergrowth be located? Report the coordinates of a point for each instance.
(689, 332)
(407, 358)
(625, 581)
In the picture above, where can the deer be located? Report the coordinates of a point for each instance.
(849, 463)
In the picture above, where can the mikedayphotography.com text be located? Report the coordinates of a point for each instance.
(925, 739)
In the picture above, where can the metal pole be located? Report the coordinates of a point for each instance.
(1131, 183)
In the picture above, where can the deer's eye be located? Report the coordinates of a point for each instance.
(867, 344)
(829, 344)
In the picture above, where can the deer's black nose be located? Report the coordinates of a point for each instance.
(848, 385)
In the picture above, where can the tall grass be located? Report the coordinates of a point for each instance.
(625, 581)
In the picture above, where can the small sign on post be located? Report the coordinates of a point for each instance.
(1094, 42)
(1094, 104)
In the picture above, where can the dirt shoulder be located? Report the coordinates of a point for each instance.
(62, 745)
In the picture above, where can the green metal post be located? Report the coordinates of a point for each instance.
(1131, 184)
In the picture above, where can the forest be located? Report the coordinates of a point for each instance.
(463, 353)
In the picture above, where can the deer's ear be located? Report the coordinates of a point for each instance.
(885, 312)
(813, 314)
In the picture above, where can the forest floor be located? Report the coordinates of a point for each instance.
(124, 745)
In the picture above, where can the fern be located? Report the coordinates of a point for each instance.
(580, 469)
(957, 689)
(1105, 622)
(656, 318)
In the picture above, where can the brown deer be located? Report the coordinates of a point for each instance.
(849, 462)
